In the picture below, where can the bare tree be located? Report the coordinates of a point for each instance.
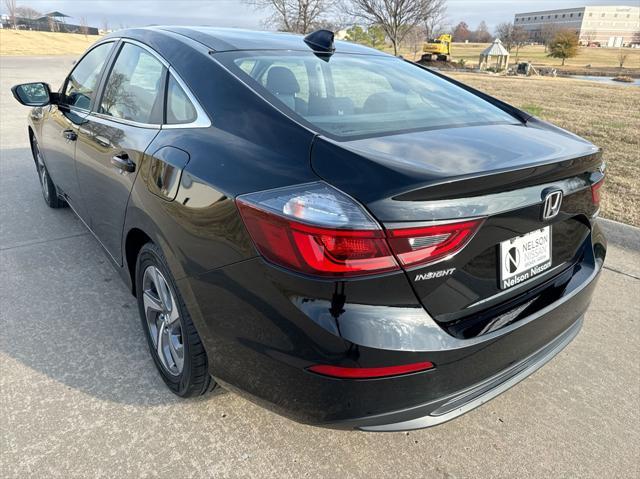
(10, 5)
(519, 37)
(395, 17)
(84, 27)
(105, 25)
(622, 58)
(297, 16)
(547, 33)
(53, 25)
(116, 95)
(28, 12)
(415, 39)
(481, 34)
(504, 31)
(435, 18)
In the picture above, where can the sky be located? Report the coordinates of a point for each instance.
(235, 13)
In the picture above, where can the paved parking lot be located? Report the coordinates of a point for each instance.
(79, 395)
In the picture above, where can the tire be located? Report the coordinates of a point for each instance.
(49, 190)
(181, 359)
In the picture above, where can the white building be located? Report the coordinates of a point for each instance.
(610, 26)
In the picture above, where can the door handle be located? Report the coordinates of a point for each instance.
(102, 141)
(123, 162)
(70, 135)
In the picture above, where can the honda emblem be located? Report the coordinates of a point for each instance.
(551, 205)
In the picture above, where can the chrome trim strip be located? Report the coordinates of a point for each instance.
(420, 224)
(474, 206)
(147, 48)
(490, 392)
(518, 286)
(151, 126)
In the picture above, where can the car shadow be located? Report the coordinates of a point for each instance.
(64, 312)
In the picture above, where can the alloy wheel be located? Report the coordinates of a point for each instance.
(163, 320)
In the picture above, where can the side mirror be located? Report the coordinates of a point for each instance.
(32, 94)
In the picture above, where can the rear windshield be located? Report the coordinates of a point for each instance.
(354, 95)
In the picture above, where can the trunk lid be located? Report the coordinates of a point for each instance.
(497, 172)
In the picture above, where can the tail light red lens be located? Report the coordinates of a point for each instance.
(369, 373)
(316, 250)
(595, 192)
(318, 230)
(414, 246)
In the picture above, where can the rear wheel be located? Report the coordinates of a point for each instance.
(49, 190)
(173, 341)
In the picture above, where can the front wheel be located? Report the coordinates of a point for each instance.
(173, 341)
(49, 191)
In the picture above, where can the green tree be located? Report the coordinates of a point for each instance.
(373, 36)
(376, 36)
(564, 45)
(357, 34)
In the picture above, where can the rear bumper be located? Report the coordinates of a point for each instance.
(450, 407)
(263, 328)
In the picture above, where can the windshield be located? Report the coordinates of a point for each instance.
(354, 95)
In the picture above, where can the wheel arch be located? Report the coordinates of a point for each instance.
(32, 137)
(139, 229)
(134, 241)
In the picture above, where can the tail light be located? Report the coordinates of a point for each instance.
(415, 246)
(369, 373)
(595, 191)
(318, 230)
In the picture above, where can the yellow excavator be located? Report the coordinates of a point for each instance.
(437, 49)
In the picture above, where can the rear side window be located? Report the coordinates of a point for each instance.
(361, 95)
(83, 81)
(134, 88)
(179, 107)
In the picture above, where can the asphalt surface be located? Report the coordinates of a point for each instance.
(80, 396)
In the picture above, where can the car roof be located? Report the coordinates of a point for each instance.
(230, 39)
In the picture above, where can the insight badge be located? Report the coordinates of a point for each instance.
(434, 274)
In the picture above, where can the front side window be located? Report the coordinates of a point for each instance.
(134, 88)
(83, 80)
(355, 95)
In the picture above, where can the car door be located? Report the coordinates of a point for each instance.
(114, 136)
(60, 129)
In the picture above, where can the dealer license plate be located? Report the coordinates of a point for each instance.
(524, 257)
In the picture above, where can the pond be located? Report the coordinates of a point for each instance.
(607, 80)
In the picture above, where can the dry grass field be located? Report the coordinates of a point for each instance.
(603, 60)
(607, 115)
(596, 57)
(22, 42)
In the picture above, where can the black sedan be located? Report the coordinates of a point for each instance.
(351, 239)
